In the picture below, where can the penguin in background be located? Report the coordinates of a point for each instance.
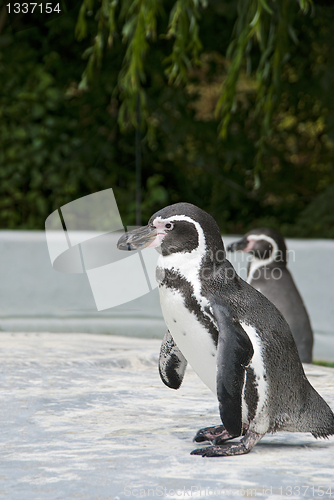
(268, 273)
(234, 338)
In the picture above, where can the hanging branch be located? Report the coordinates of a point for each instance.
(183, 27)
(139, 19)
(266, 22)
(106, 27)
(139, 27)
(269, 25)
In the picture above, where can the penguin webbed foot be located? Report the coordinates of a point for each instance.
(221, 451)
(217, 434)
(227, 450)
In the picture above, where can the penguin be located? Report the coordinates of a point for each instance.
(234, 338)
(267, 272)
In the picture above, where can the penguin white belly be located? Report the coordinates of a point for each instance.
(191, 337)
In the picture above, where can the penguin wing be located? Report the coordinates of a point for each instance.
(172, 363)
(234, 352)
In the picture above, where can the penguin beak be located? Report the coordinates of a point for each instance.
(138, 238)
(239, 245)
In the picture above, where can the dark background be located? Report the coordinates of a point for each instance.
(60, 140)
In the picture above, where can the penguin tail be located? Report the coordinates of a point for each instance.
(325, 430)
(316, 416)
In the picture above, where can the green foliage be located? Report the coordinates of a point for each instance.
(329, 364)
(317, 220)
(60, 141)
(269, 23)
(31, 113)
(137, 22)
(56, 142)
(183, 27)
(139, 26)
(154, 194)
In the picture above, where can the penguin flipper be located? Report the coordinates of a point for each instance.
(172, 363)
(234, 352)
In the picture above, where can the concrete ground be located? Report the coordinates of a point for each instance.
(87, 417)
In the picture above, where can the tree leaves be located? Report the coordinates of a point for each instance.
(183, 28)
(265, 23)
(58, 142)
(137, 21)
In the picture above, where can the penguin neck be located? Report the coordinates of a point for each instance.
(190, 265)
(185, 264)
(257, 266)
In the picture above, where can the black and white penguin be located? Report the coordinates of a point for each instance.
(234, 338)
(267, 272)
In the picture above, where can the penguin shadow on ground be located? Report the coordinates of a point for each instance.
(269, 442)
(278, 443)
(295, 442)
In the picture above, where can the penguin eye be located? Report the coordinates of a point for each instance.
(169, 225)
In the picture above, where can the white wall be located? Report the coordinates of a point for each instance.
(35, 297)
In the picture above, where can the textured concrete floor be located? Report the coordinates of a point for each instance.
(87, 417)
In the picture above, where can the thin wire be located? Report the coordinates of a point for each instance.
(138, 168)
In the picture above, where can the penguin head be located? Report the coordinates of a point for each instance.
(179, 228)
(262, 244)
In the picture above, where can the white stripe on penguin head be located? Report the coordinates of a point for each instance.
(256, 263)
(187, 264)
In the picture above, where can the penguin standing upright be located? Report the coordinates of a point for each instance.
(267, 272)
(234, 338)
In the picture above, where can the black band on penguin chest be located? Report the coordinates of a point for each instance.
(174, 281)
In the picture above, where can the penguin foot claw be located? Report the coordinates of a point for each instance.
(212, 434)
(228, 450)
(221, 451)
